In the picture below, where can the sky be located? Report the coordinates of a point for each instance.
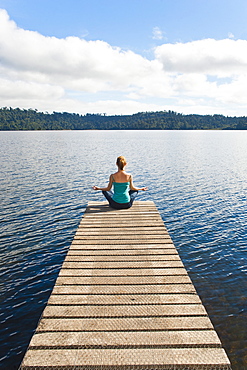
(124, 56)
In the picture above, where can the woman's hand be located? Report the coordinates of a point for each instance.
(95, 188)
(144, 189)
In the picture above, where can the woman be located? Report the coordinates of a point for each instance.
(124, 190)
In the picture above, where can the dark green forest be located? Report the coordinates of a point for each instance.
(30, 119)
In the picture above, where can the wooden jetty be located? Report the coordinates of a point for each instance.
(123, 300)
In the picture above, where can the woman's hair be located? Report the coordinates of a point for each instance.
(121, 162)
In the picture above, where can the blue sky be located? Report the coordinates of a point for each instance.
(122, 57)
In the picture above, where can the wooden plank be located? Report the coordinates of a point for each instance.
(76, 250)
(121, 244)
(122, 280)
(120, 339)
(124, 289)
(123, 299)
(213, 358)
(123, 272)
(137, 244)
(124, 223)
(121, 264)
(116, 310)
(125, 324)
(126, 299)
(123, 232)
(123, 237)
(121, 258)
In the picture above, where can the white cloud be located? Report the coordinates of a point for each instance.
(76, 75)
(72, 62)
(28, 90)
(217, 57)
(157, 33)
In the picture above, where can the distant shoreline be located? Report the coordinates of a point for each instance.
(16, 119)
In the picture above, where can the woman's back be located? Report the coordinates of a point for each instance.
(121, 187)
(121, 192)
(121, 176)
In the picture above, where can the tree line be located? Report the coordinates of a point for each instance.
(31, 119)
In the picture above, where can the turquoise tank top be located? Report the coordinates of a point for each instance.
(121, 192)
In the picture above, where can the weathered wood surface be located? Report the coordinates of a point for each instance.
(123, 300)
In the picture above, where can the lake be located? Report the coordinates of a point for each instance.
(197, 179)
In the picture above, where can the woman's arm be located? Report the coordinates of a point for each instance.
(132, 187)
(109, 186)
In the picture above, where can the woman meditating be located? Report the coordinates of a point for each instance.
(124, 192)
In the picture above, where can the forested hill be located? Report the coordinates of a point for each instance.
(21, 119)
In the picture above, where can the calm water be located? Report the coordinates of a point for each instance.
(198, 180)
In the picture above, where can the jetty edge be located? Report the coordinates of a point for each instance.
(123, 300)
